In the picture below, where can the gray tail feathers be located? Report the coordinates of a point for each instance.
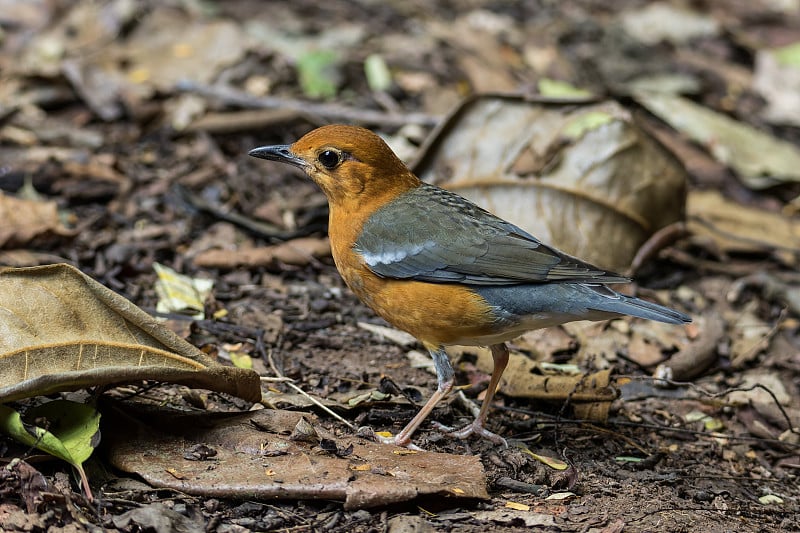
(630, 305)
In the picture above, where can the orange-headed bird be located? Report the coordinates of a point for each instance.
(441, 268)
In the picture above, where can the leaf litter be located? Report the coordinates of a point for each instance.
(85, 121)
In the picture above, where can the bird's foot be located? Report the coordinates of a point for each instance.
(475, 428)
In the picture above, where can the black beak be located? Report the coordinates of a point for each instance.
(278, 152)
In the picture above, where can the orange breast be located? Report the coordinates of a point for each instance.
(434, 313)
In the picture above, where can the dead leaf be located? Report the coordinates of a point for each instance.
(167, 46)
(61, 330)
(517, 506)
(485, 58)
(295, 252)
(84, 26)
(759, 159)
(750, 335)
(250, 444)
(660, 21)
(734, 227)
(513, 517)
(589, 394)
(24, 220)
(401, 338)
(161, 519)
(778, 81)
(580, 176)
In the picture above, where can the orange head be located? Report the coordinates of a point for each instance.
(351, 165)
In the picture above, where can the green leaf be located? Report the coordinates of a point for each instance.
(584, 122)
(319, 73)
(72, 434)
(788, 56)
(241, 360)
(561, 89)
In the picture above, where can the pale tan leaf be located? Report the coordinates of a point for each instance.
(734, 227)
(760, 159)
(61, 330)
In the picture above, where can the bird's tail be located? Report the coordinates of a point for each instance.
(615, 302)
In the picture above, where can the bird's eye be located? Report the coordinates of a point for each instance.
(329, 159)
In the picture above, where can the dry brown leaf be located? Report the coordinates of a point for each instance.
(750, 335)
(166, 47)
(580, 176)
(545, 342)
(485, 58)
(61, 330)
(256, 458)
(24, 220)
(739, 228)
(589, 394)
(598, 343)
(295, 252)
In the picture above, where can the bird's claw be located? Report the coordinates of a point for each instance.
(475, 428)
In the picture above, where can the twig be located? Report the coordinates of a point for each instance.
(290, 382)
(231, 96)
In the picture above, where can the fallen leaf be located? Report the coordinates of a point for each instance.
(177, 292)
(295, 252)
(24, 220)
(590, 395)
(660, 21)
(737, 228)
(61, 330)
(401, 338)
(71, 433)
(777, 79)
(514, 517)
(379, 78)
(159, 518)
(552, 462)
(319, 73)
(517, 506)
(759, 159)
(244, 442)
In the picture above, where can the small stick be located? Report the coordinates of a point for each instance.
(231, 96)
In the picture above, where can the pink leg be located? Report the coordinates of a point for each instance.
(444, 377)
(500, 358)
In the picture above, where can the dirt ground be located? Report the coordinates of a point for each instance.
(142, 159)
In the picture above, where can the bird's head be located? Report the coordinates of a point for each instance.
(350, 164)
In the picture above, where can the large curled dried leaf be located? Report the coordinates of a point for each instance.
(61, 330)
(580, 176)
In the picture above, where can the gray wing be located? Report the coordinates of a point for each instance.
(449, 239)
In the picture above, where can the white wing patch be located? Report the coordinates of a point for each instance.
(394, 256)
